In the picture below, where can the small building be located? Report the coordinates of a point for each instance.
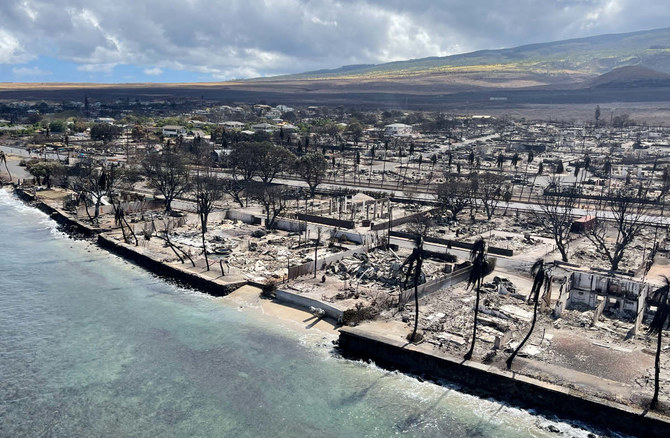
(397, 130)
(263, 127)
(583, 224)
(173, 130)
(231, 124)
(107, 120)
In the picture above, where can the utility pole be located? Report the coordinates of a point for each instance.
(316, 248)
(388, 242)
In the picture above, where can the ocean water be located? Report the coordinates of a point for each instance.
(92, 346)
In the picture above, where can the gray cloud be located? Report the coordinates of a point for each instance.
(244, 38)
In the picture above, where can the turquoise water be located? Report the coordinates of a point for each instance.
(93, 346)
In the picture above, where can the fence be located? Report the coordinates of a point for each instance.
(453, 243)
(401, 220)
(435, 285)
(326, 221)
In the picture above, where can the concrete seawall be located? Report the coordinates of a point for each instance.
(165, 270)
(484, 380)
(73, 226)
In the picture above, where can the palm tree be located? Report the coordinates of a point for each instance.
(414, 262)
(662, 318)
(480, 268)
(3, 160)
(539, 278)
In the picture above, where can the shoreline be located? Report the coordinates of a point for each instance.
(478, 379)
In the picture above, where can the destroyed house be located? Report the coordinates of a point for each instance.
(604, 292)
(583, 224)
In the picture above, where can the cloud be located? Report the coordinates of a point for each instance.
(154, 71)
(97, 68)
(30, 72)
(227, 39)
(10, 49)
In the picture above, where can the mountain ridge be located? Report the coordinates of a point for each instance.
(592, 55)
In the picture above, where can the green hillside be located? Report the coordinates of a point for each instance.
(586, 56)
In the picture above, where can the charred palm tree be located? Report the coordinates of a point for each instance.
(662, 318)
(414, 263)
(3, 160)
(539, 279)
(480, 268)
(420, 228)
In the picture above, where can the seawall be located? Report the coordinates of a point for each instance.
(486, 380)
(165, 270)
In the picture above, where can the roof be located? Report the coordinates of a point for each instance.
(361, 197)
(173, 127)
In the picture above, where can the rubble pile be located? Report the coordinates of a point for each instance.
(384, 269)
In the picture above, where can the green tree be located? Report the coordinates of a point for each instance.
(354, 131)
(272, 160)
(46, 171)
(57, 126)
(312, 169)
(105, 132)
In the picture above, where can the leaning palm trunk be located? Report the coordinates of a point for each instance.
(480, 268)
(538, 270)
(3, 159)
(661, 319)
(468, 355)
(417, 273)
(657, 371)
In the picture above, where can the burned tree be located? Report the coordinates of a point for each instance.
(3, 160)
(454, 195)
(487, 191)
(89, 181)
(168, 174)
(208, 189)
(617, 226)
(414, 262)
(274, 199)
(557, 213)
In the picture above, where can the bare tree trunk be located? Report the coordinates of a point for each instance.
(657, 370)
(530, 331)
(417, 273)
(204, 248)
(468, 355)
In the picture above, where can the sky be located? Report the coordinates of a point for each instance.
(120, 41)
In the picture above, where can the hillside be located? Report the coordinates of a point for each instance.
(632, 67)
(584, 56)
(631, 76)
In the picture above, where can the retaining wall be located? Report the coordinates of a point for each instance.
(165, 270)
(306, 302)
(435, 285)
(487, 380)
(453, 243)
